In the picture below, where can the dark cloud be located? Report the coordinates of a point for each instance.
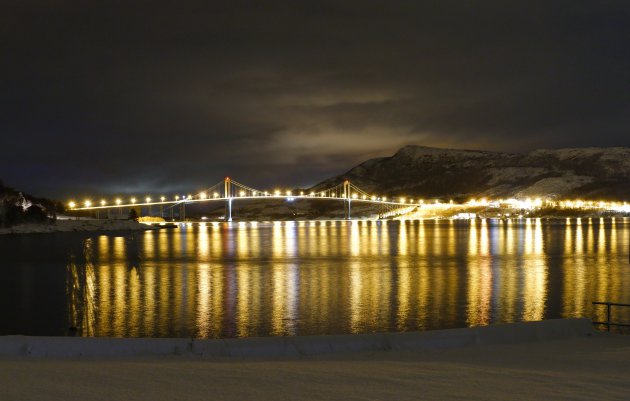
(138, 96)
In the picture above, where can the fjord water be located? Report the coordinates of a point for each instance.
(312, 277)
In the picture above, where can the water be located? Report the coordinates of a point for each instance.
(302, 278)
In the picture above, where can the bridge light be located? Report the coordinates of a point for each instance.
(203, 195)
(88, 203)
(402, 200)
(288, 193)
(312, 194)
(301, 193)
(354, 196)
(373, 197)
(384, 198)
(133, 200)
(72, 205)
(189, 196)
(103, 202)
(148, 199)
(242, 193)
(118, 201)
(277, 192)
(162, 199)
(216, 195)
(176, 197)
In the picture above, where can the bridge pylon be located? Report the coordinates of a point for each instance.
(347, 199)
(227, 188)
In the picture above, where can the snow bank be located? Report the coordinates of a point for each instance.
(292, 347)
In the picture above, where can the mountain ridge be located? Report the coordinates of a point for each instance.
(429, 172)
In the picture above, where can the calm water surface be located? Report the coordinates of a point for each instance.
(301, 278)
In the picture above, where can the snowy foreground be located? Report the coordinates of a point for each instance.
(555, 361)
(76, 225)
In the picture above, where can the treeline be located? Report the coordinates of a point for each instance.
(18, 208)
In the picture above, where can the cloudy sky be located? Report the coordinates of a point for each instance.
(151, 96)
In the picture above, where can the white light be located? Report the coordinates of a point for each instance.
(88, 203)
(242, 193)
(133, 200)
(148, 199)
(216, 195)
(203, 195)
(103, 203)
(162, 199)
(277, 192)
(72, 205)
(118, 201)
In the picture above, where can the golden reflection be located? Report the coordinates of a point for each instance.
(203, 243)
(535, 279)
(81, 291)
(473, 242)
(404, 295)
(356, 301)
(574, 274)
(402, 238)
(203, 300)
(484, 240)
(149, 244)
(323, 277)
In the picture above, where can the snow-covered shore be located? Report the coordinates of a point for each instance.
(555, 364)
(76, 226)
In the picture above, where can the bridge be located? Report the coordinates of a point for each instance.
(229, 191)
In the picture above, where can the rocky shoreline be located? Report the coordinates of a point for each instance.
(76, 226)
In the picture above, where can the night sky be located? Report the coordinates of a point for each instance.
(138, 97)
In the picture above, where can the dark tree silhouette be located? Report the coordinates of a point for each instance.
(133, 215)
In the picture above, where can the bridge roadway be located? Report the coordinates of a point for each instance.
(229, 191)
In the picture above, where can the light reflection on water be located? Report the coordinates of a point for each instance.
(300, 278)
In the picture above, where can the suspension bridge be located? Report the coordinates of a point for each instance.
(230, 191)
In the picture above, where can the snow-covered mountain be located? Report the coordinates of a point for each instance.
(589, 173)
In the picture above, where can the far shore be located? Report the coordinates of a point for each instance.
(76, 226)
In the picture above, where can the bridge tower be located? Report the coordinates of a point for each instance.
(228, 196)
(348, 199)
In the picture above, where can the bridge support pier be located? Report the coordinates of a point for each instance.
(228, 209)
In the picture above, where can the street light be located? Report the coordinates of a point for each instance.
(148, 199)
(162, 199)
(118, 201)
(133, 200)
(72, 205)
(103, 202)
(88, 203)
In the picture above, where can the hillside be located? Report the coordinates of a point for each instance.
(588, 173)
(17, 207)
